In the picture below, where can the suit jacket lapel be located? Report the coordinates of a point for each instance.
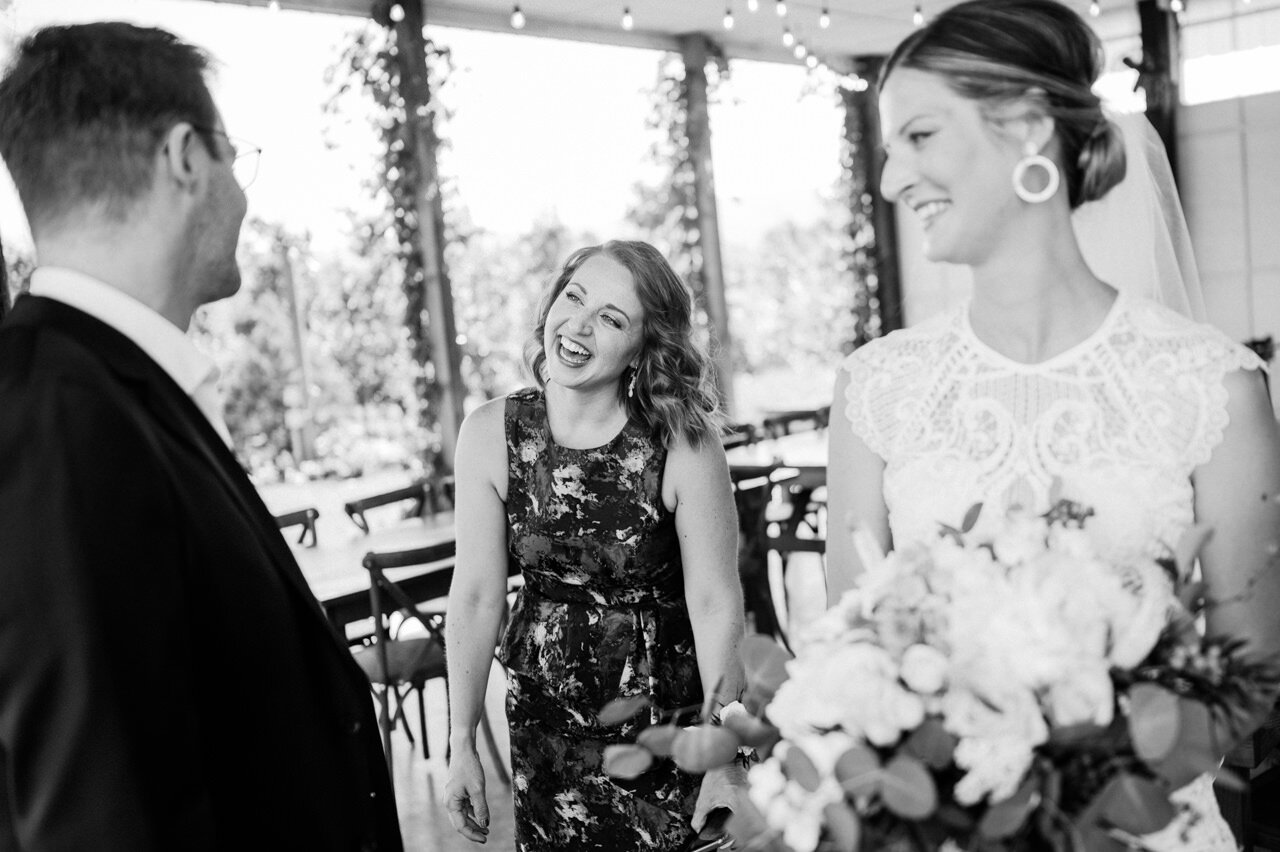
(178, 415)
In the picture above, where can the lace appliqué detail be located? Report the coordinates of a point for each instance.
(1118, 423)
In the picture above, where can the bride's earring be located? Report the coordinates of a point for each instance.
(1029, 161)
(631, 388)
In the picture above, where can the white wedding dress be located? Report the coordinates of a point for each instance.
(1119, 422)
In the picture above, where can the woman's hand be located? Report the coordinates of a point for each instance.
(721, 788)
(464, 796)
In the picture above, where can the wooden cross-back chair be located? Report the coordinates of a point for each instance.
(398, 665)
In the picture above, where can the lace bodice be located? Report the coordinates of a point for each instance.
(1118, 422)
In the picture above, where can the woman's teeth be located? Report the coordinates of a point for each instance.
(571, 351)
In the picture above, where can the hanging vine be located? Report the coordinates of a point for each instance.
(371, 64)
(858, 261)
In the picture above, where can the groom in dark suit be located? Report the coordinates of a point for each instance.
(167, 680)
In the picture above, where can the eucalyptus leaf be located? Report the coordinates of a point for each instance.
(705, 747)
(620, 710)
(658, 739)
(626, 761)
(858, 770)
(971, 517)
(844, 829)
(797, 766)
(932, 743)
(753, 731)
(1135, 804)
(1196, 751)
(1154, 721)
(765, 664)
(907, 789)
(1004, 818)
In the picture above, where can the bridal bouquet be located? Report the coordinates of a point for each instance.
(998, 688)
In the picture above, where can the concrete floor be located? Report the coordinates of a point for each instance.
(420, 781)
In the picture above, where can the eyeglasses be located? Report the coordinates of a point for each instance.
(244, 156)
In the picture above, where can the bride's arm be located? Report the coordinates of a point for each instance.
(1237, 493)
(855, 496)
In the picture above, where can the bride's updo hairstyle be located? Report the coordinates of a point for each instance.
(1000, 52)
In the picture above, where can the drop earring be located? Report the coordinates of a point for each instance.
(631, 387)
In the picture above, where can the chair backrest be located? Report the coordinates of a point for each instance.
(420, 493)
(306, 518)
(739, 435)
(788, 422)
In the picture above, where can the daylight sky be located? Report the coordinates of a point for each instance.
(542, 128)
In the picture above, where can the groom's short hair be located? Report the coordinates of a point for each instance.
(83, 109)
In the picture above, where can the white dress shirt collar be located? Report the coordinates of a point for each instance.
(166, 344)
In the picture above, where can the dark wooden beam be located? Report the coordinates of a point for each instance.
(696, 51)
(446, 355)
(873, 226)
(1159, 71)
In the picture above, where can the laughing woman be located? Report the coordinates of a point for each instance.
(607, 487)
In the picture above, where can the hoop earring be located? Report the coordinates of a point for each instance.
(1052, 176)
(631, 387)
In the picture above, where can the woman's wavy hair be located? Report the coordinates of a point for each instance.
(999, 52)
(675, 396)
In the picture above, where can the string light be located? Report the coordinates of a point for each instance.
(627, 21)
(397, 12)
(801, 51)
(1177, 7)
(274, 6)
(517, 18)
(781, 8)
(728, 17)
(753, 5)
(824, 19)
(787, 38)
(918, 17)
(811, 61)
(1095, 9)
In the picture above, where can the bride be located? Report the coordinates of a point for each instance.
(1053, 381)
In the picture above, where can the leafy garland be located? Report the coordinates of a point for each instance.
(372, 62)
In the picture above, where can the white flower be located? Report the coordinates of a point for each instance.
(1135, 630)
(1021, 539)
(1083, 697)
(998, 735)
(924, 669)
(854, 688)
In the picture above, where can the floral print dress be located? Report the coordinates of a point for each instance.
(601, 615)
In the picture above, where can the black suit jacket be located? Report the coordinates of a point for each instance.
(167, 679)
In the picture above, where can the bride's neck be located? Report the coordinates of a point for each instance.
(1033, 304)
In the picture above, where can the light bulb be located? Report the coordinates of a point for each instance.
(627, 21)
(811, 61)
(274, 5)
(728, 18)
(1095, 9)
(397, 12)
(918, 17)
(753, 5)
(1177, 6)
(801, 51)
(824, 19)
(517, 18)
(781, 8)
(787, 38)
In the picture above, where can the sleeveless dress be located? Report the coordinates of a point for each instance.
(1118, 422)
(602, 615)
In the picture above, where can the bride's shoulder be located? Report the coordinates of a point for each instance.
(1163, 331)
(904, 348)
